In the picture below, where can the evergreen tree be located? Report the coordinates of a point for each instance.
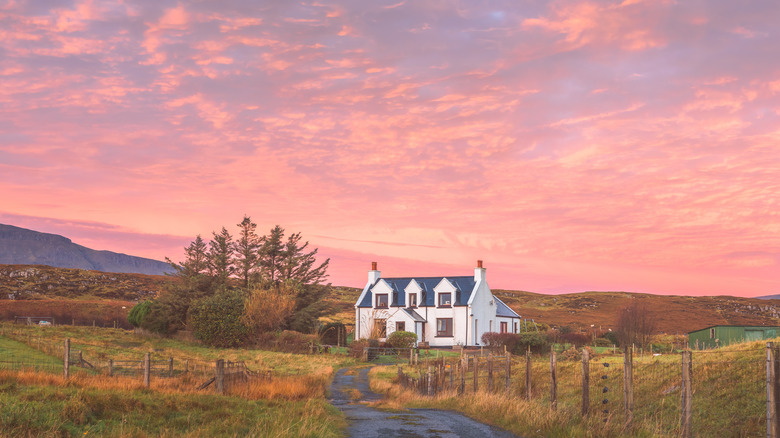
(195, 263)
(271, 255)
(220, 257)
(299, 265)
(246, 248)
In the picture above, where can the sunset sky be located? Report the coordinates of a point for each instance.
(571, 145)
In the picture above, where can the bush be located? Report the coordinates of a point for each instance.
(402, 339)
(516, 343)
(163, 317)
(356, 348)
(138, 312)
(217, 320)
(334, 333)
(575, 339)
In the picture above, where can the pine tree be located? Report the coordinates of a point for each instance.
(271, 255)
(246, 248)
(220, 257)
(299, 265)
(195, 263)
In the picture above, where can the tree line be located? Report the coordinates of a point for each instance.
(238, 285)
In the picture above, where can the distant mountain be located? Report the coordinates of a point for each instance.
(20, 246)
(769, 297)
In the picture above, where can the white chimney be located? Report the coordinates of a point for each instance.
(479, 272)
(373, 274)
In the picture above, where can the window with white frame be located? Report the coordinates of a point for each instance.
(445, 299)
(412, 300)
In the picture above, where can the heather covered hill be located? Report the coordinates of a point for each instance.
(673, 314)
(32, 282)
(21, 246)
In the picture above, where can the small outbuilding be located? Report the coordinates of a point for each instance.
(722, 335)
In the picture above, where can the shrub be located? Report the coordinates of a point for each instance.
(138, 312)
(356, 348)
(575, 339)
(516, 343)
(402, 339)
(217, 320)
(163, 317)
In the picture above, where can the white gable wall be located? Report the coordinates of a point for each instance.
(483, 308)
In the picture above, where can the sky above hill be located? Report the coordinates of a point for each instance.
(571, 145)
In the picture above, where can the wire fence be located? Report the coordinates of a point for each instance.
(651, 389)
(21, 351)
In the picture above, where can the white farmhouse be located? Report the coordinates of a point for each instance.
(442, 311)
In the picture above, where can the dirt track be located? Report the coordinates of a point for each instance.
(367, 422)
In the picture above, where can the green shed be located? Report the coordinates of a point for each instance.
(722, 335)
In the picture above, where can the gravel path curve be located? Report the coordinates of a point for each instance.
(367, 422)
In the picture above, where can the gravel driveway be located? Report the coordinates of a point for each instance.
(367, 422)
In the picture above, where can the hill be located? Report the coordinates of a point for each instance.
(577, 311)
(21, 246)
(673, 314)
(33, 282)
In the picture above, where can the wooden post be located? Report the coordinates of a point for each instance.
(219, 376)
(463, 361)
(508, 373)
(66, 359)
(772, 391)
(110, 367)
(430, 382)
(476, 373)
(687, 394)
(147, 370)
(585, 382)
(187, 366)
(553, 380)
(170, 367)
(81, 360)
(490, 373)
(628, 385)
(528, 374)
(451, 374)
(365, 354)
(411, 356)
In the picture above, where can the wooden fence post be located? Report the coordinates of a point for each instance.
(147, 370)
(585, 382)
(463, 361)
(170, 367)
(476, 373)
(528, 374)
(553, 379)
(687, 393)
(490, 373)
(772, 391)
(508, 372)
(219, 376)
(110, 367)
(66, 359)
(628, 385)
(430, 383)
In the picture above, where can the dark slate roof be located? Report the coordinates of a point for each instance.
(414, 315)
(464, 284)
(504, 310)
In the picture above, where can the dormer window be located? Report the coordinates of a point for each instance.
(381, 301)
(412, 300)
(445, 299)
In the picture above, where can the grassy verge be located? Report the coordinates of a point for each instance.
(32, 405)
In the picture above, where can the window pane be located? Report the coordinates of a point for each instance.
(444, 299)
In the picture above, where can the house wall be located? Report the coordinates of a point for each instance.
(482, 311)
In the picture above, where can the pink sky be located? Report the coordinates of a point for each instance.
(571, 145)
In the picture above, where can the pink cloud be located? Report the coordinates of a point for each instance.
(570, 144)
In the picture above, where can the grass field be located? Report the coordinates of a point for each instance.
(729, 398)
(42, 403)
